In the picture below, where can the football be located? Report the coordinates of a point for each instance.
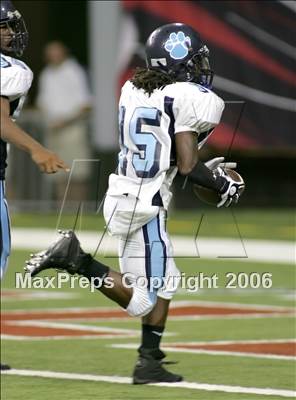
(210, 196)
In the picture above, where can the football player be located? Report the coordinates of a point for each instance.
(166, 113)
(16, 79)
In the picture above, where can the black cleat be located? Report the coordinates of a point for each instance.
(149, 368)
(4, 367)
(65, 254)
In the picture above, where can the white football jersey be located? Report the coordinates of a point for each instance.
(16, 80)
(147, 126)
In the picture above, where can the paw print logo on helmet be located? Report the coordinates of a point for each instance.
(177, 50)
(177, 45)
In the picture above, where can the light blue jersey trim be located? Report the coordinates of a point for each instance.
(5, 231)
(155, 252)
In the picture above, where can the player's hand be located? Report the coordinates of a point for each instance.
(232, 190)
(215, 163)
(47, 161)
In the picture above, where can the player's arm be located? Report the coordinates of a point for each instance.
(186, 150)
(46, 160)
(189, 165)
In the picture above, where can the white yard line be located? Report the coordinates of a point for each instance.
(57, 337)
(127, 380)
(277, 312)
(171, 347)
(80, 327)
(253, 341)
(219, 304)
(183, 318)
(231, 316)
(77, 327)
(13, 294)
(174, 304)
(232, 353)
(184, 246)
(61, 310)
(131, 346)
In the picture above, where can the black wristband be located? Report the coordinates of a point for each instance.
(203, 176)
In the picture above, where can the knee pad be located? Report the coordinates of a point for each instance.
(141, 303)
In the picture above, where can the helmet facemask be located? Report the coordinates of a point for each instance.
(198, 68)
(15, 24)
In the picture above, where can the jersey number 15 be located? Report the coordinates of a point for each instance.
(145, 161)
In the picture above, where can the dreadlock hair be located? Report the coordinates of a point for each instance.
(149, 79)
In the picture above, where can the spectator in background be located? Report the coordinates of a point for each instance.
(65, 100)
